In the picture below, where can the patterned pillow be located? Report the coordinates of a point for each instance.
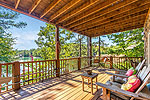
(131, 71)
(132, 84)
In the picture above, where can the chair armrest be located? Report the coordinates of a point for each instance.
(119, 91)
(118, 70)
(119, 75)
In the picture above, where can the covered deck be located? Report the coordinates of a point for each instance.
(67, 87)
(60, 78)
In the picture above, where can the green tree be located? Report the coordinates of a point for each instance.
(46, 42)
(129, 43)
(7, 21)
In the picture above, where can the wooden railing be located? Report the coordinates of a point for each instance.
(119, 62)
(25, 73)
(126, 62)
(35, 71)
(6, 71)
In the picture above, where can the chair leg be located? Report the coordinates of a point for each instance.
(106, 94)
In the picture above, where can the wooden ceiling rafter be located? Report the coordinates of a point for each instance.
(65, 9)
(34, 5)
(77, 22)
(132, 23)
(4, 4)
(111, 14)
(17, 3)
(50, 7)
(85, 16)
(115, 30)
(118, 24)
(87, 7)
(117, 17)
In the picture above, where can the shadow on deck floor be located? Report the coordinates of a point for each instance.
(67, 87)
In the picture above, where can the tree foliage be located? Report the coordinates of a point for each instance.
(7, 21)
(69, 43)
(129, 43)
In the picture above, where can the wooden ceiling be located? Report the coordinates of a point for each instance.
(87, 17)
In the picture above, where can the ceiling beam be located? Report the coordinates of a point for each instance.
(7, 5)
(50, 7)
(69, 6)
(93, 4)
(17, 3)
(116, 30)
(131, 13)
(34, 5)
(106, 15)
(134, 23)
(120, 7)
(118, 24)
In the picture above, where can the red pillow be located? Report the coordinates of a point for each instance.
(129, 72)
(132, 84)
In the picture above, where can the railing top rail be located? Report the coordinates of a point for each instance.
(6, 63)
(37, 61)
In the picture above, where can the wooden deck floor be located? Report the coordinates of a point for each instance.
(67, 87)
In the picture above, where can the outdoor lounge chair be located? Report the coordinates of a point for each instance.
(122, 75)
(114, 91)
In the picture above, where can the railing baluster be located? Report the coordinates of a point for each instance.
(36, 70)
(32, 72)
(48, 70)
(7, 76)
(39, 71)
(28, 74)
(51, 69)
(45, 69)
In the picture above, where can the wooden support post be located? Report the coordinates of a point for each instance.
(99, 50)
(57, 52)
(79, 59)
(80, 46)
(111, 62)
(16, 75)
(79, 63)
(88, 55)
(147, 39)
(90, 50)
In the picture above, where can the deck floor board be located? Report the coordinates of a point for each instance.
(67, 87)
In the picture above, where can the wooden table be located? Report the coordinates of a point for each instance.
(89, 77)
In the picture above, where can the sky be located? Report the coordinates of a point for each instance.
(25, 37)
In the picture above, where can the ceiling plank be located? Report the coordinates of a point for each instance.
(108, 14)
(17, 3)
(134, 12)
(7, 5)
(116, 30)
(50, 7)
(66, 8)
(118, 23)
(34, 5)
(133, 23)
(120, 7)
(87, 6)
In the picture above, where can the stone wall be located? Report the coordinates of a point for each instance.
(146, 32)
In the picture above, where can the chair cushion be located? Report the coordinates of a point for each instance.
(132, 84)
(131, 71)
